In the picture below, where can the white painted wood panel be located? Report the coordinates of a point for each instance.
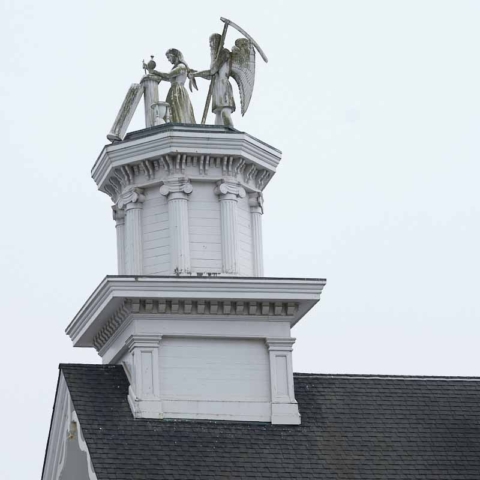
(156, 236)
(156, 251)
(214, 369)
(204, 226)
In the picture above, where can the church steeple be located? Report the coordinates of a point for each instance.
(201, 333)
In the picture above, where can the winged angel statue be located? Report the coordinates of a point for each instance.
(239, 64)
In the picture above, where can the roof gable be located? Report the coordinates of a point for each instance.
(66, 455)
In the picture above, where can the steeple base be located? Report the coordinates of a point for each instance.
(213, 348)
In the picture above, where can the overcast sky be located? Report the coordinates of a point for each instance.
(376, 107)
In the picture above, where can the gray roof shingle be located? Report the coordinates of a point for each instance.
(353, 428)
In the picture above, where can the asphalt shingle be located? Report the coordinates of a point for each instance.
(353, 428)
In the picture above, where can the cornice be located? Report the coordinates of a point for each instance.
(177, 149)
(286, 299)
(191, 308)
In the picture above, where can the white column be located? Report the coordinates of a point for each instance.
(255, 200)
(177, 189)
(228, 193)
(119, 217)
(150, 96)
(132, 200)
(284, 405)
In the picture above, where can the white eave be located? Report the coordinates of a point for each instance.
(113, 290)
(187, 140)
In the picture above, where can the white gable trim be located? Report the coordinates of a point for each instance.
(65, 428)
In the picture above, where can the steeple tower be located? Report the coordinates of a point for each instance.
(201, 333)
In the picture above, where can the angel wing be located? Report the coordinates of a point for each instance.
(243, 70)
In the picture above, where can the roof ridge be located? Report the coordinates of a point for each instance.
(385, 377)
(319, 375)
(80, 365)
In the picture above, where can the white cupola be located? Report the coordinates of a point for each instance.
(201, 333)
(187, 199)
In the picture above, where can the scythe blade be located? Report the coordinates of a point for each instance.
(245, 34)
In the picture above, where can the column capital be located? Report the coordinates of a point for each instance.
(118, 214)
(280, 344)
(255, 200)
(132, 195)
(150, 77)
(143, 341)
(229, 189)
(180, 185)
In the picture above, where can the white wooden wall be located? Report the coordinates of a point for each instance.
(204, 232)
(204, 224)
(156, 238)
(214, 369)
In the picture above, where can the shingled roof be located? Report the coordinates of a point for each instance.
(353, 428)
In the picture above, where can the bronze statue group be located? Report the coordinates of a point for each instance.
(239, 63)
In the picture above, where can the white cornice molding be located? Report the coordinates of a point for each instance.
(112, 292)
(194, 309)
(176, 148)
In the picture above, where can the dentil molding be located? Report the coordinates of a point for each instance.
(110, 295)
(191, 307)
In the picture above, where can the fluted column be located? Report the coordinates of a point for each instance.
(132, 201)
(150, 96)
(176, 190)
(255, 200)
(119, 217)
(228, 193)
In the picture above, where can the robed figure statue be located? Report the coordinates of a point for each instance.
(177, 97)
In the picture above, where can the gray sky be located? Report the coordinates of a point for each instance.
(376, 107)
